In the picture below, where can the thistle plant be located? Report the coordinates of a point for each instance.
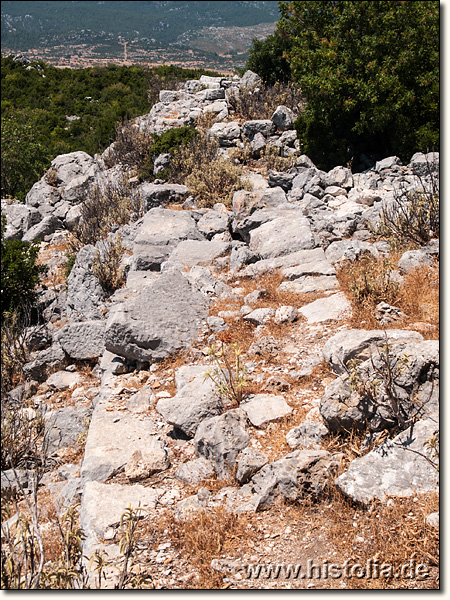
(227, 373)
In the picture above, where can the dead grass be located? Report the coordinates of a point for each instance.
(393, 532)
(417, 296)
(205, 536)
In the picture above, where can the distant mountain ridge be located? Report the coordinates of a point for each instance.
(27, 25)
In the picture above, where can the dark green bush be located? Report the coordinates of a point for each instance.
(168, 142)
(19, 273)
(369, 71)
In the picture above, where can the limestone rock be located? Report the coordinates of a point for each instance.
(282, 235)
(85, 295)
(220, 439)
(83, 341)
(294, 477)
(144, 463)
(194, 252)
(262, 409)
(308, 434)
(283, 118)
(357, 343)
(195, 401)
(64, 426)
(334, 307)
(393, 468)
(161, 319)
(250, 462)
(195, 471)
(160, 232)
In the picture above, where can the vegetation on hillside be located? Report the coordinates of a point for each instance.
(48, 111)
(30, 24)
(369, 71)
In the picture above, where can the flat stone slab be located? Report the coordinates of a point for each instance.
(333, 307)
(103, 505)
(195, 401)
(159, 320)
(112, 438)
(195, 252)
(394, 468)
(83, 341)
(282, 235)
(309, 284)
(264, 408)
(294, 265)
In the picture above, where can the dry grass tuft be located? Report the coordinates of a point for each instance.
(205, 536)
(366, 283)
(419, 297)
(393, 532)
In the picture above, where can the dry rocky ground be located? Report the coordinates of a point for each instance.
(305, 458)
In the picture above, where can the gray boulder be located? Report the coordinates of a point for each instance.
(283, 118)
(143, 463)
(161, 230)
(250, 462)
(161, 162)
(196, 400)
(43, 197)
(262, 409)
(63, 380)
(360, 344)
(160, 319)
(387, 163)
(424, 164)
(308, 434)
(64, 426)
(201, 280)
(19, 219)
(241, 256)
(221, 438)
(83, 341)
(227, 134)
(385, 397)
(154, 195)
(85, 295)
(341, 177)
(349, 250)
(397, 467)
(298, 475)
(310, 284)
(47, 226)
(414, 259)
(294, 265)
(332, 308)
(283, 235)
(249, 80)
(198, 252)
(251, 128)
(213, 222)
(195, 471)
(46, 362)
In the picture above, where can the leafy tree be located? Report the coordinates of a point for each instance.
(370, 73)
(23, 157)
(267, 58)
(19, 273)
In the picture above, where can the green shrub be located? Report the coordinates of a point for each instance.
(369, 71)
(168, 142)
(106, 208)
(19, 273)
(412, 219)
(209, 177)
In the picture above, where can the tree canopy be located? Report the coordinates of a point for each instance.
(370, 73)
